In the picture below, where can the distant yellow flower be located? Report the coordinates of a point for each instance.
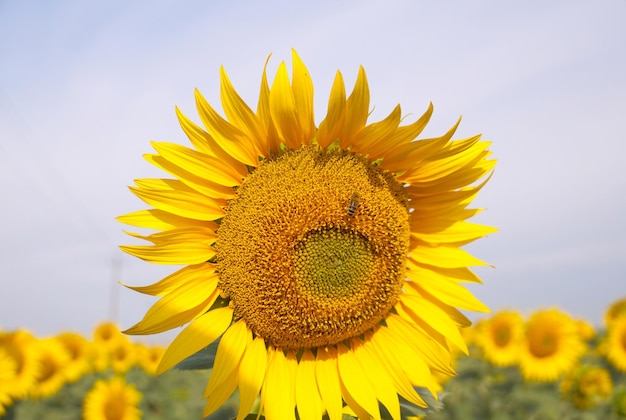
(149, 357)
(112, 400)
(123, 355)
(500, 337)
(615, 345)
(615, 310)
(8, 371)
(20, 347)
(587, 386)
(112, 349)
(80, 353)
(326, 258)
(551, 346)
(53, 358)
(106, 333)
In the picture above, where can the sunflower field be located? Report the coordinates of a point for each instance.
(321, 275)
(547, 365)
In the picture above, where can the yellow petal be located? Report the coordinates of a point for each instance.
(227, 358)
(230, 138)
(206, 144)
(178, 307)
(327, 375)
(424, 310)
(378, 378)
(457, 232)
(443, 288)
(199, 334)
(217, 399)
(176, 254)
(352, 408)
(283, 108)
(251, 375)
(444, 199)
(180, 235)
(372, 138)
(193, 181)
(404, 357)
(240, 115)
(278, 390)
(161, 220)
(455, 315)
(407, 133)
(204, 166)
(357, 110)
(199, 138)
(188, 245)
(302, 87)
(464, 176)
(444, 256)
(407, 155)
(458, 146)
(331, 127)
(437, 167)
(429, 344)
(379, 348)
(185, 275)
(181, 200)
(308, 398)
(264, 114)
(355, 382)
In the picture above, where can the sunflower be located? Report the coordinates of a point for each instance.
(8, 370)
(551, 346)
(111, 348)
(80, 352)
(20, 346)
(54, 358)
(106, 334)
(499, 338)
(123, 355)
(149, 357)
(615, 310)
(587, 386)
(615, 343)
(327, 258)
(112, 400)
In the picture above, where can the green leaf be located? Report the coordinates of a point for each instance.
(201, 360)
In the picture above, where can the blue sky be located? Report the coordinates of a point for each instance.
(85, 86)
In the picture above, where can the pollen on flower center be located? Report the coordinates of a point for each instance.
(332, 264)
(312, 249)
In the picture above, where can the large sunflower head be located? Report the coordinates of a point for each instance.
(327, 258)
